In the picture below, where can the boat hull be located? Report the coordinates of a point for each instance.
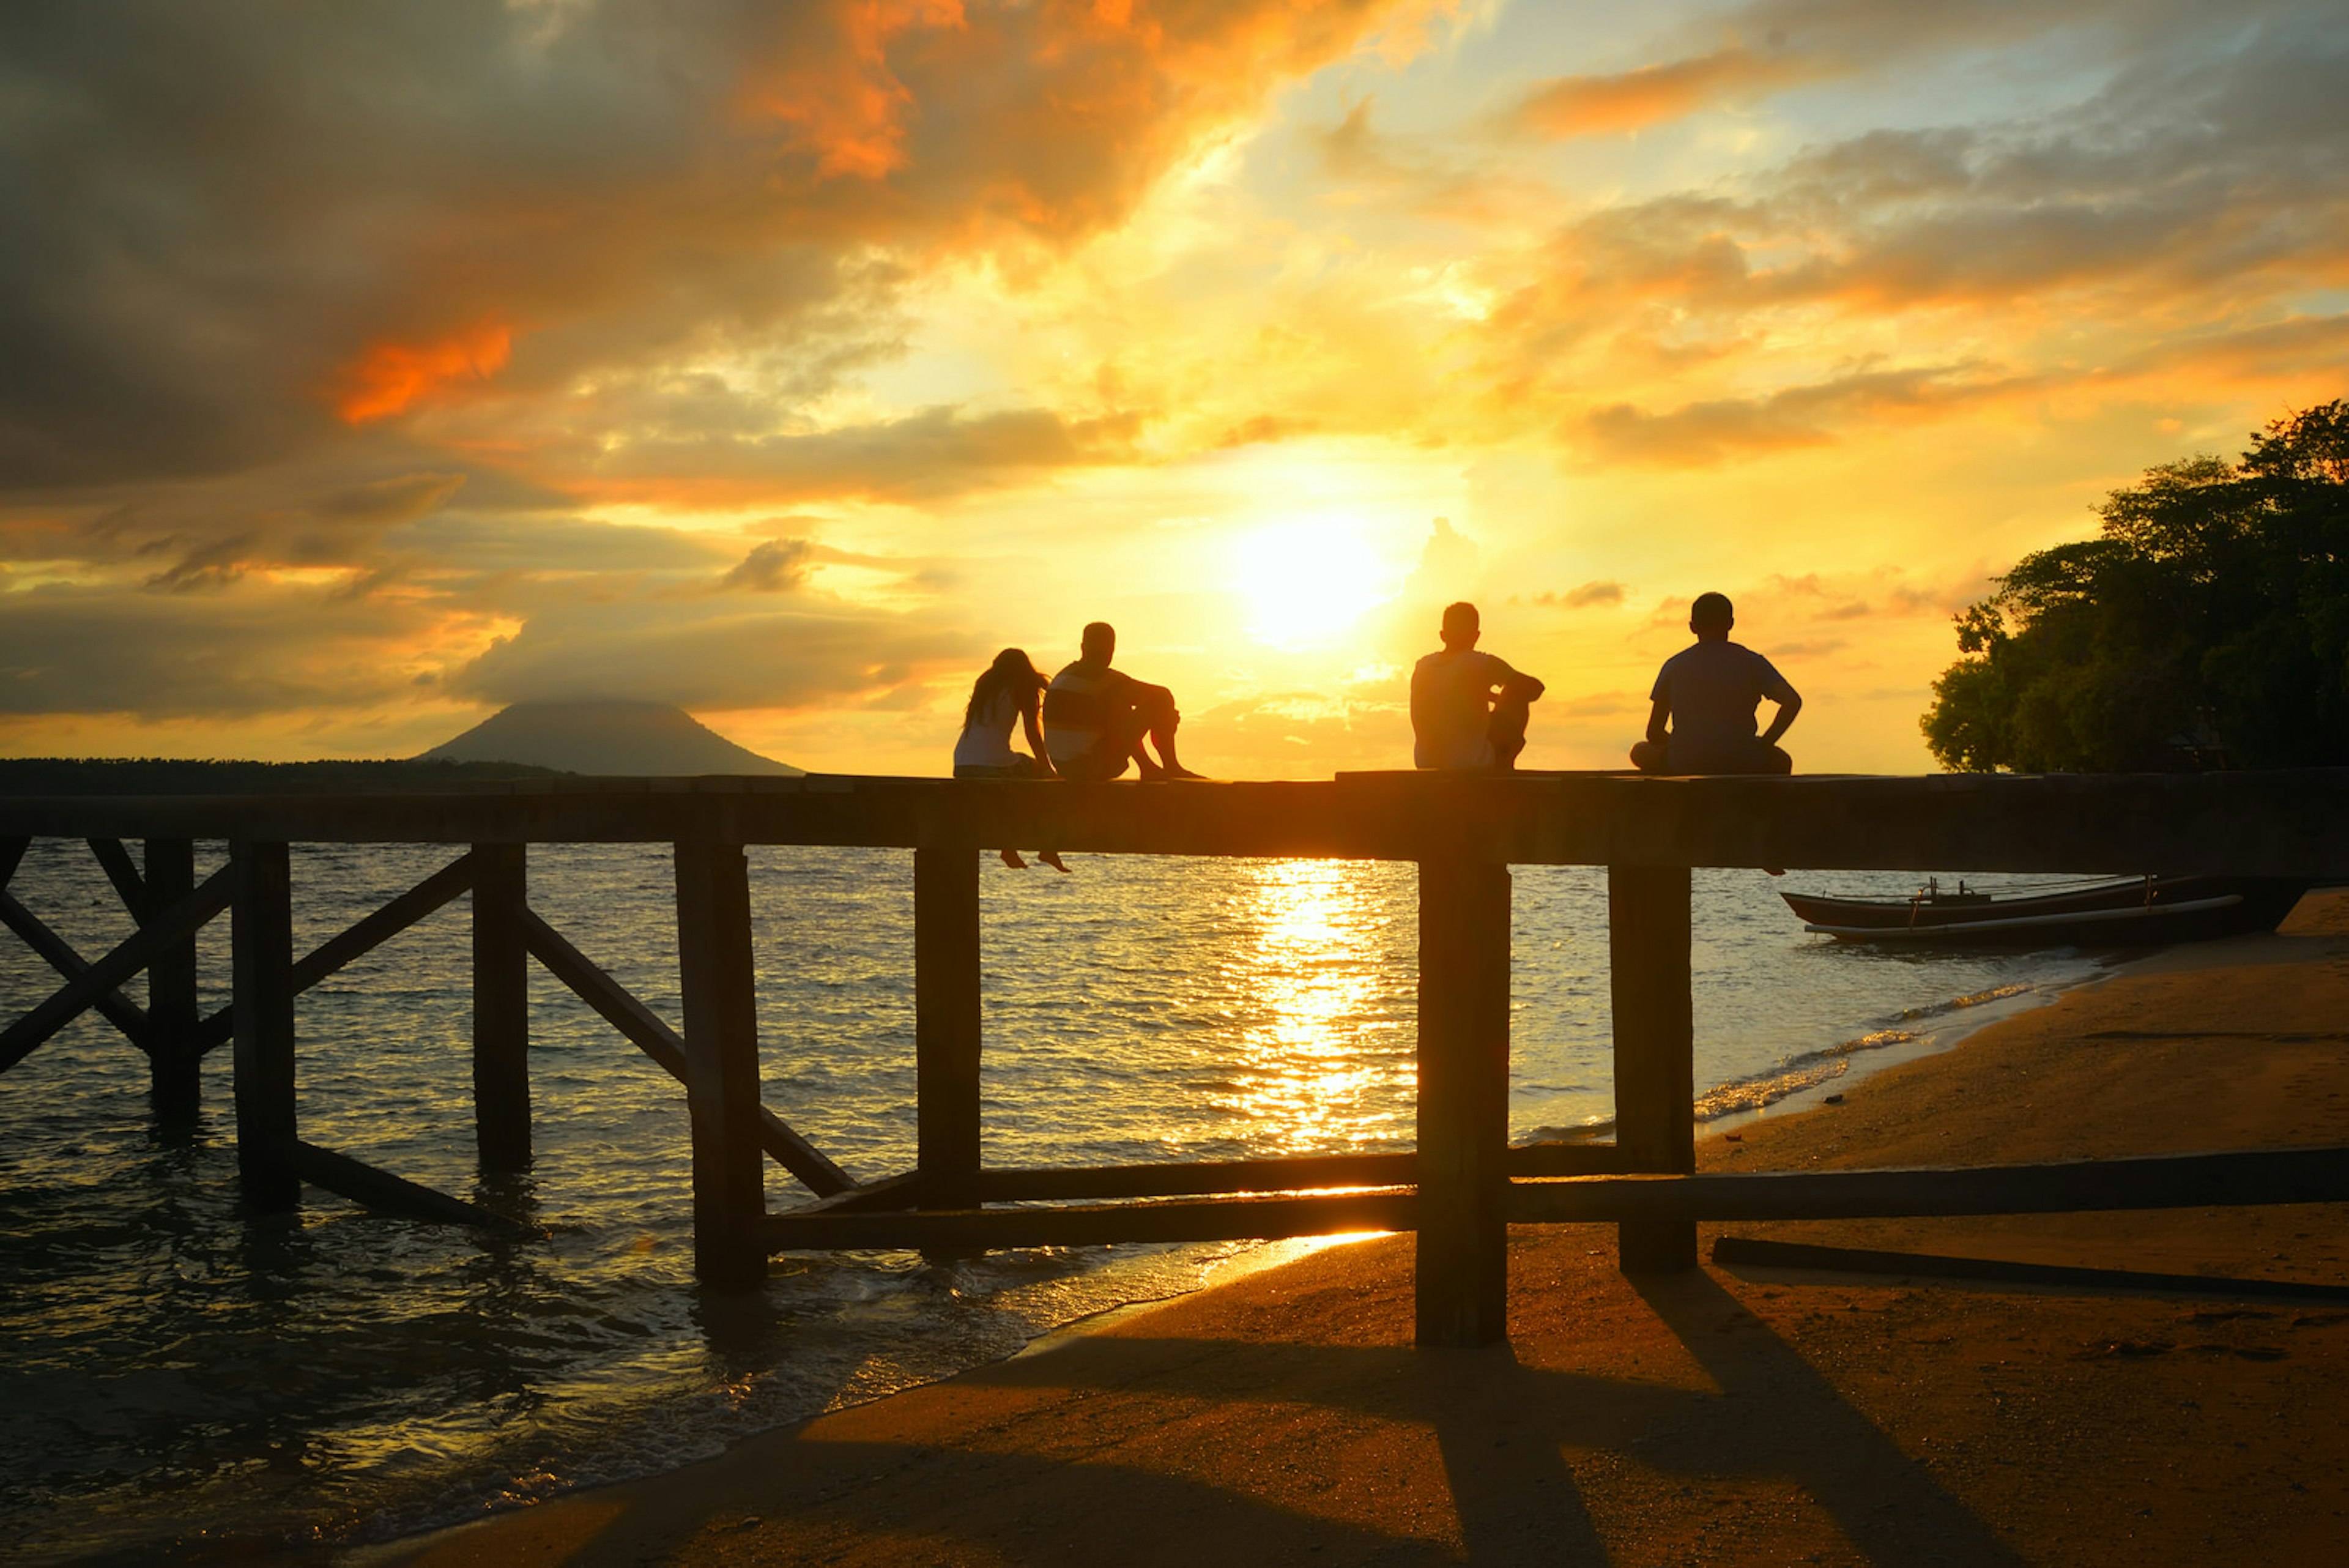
(2117, 914)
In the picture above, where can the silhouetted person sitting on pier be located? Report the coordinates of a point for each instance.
(1005, 693)
(1468, 710)
(1706, 699)
(1096, 719)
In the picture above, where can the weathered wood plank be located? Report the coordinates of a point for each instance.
(1092, 1225)
(261, 925)
(98, 980)
(1655, 1087)
(2284, 824)
(650, 1033)
(1463, 1102)
(379, 1189)
(111, 1004)
(174, 1057)
(500, 1008)
(130, 886)
(721, 1063)
(947, 1024)
(2232, 1179)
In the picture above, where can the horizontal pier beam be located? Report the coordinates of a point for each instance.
(1090, 1225)
(1298, 1173)
(2073, 1187)
(2282, 823)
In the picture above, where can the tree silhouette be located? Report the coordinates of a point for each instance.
(2207, 626)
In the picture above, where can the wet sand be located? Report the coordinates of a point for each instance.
(1732, 1416)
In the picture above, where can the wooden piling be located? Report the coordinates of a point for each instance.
(1463, 1102)
(1655, 1087)
(721, 1063)
(947, 1025)
(500, 1008)
(174, 1056)
(260, 925)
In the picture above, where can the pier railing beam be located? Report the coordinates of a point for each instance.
(174, 1056)
(500, 1008)
(260, 925)
(947, 1025)
(722, 1064)
(1655, 1087)
(1463, 1274)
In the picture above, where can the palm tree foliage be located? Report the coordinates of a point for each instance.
(2207, 626)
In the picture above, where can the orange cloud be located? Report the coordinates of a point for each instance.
(850, 112)
(390, 377)
(1596, 106)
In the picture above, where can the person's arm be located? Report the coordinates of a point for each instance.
(1504, 680)
(1660, 720)
(1035, 731)
(1788, 706)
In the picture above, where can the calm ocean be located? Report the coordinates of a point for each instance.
(173, 1371)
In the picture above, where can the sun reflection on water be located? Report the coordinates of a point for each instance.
(1318, 1043)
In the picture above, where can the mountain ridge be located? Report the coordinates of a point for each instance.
(605, 737)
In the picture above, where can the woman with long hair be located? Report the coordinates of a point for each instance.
(1006, 692)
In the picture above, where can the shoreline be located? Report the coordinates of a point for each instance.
(1185, 1396)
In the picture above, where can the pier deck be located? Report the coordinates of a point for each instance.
(1458, 1191)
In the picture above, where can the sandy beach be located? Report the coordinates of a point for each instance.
(1728, 1416)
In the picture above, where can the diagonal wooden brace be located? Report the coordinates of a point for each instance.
(123, 872)
(128, 957)
(451, 882)
(112, 1005)
(657, 1040)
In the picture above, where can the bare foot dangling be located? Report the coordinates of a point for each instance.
(1011, 858)
(1051, 857)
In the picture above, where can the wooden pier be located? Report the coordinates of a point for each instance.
(1458, 1191)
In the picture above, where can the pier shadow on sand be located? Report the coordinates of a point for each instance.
(1150, 1449)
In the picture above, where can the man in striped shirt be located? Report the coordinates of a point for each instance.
(1096, 718)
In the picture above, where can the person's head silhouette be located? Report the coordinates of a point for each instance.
(1099, 645)
(1712, 616)
(1460, 625)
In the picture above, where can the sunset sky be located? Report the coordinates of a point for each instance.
(365, 367)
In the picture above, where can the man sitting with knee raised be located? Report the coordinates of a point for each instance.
(1096, 718)
(1706, 699)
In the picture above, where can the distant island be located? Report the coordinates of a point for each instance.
(635, 739)
(527, 741)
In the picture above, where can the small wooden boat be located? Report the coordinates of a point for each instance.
(2140, 911)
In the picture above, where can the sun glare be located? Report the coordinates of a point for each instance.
(1308, 581)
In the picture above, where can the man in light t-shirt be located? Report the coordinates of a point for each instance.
(1704, 702)
(1468, 710)
(1096, 719)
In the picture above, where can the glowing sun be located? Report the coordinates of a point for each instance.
(1306, 582)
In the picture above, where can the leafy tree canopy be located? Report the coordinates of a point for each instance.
(2207, 626)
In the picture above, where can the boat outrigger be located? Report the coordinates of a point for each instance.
(2139, 911)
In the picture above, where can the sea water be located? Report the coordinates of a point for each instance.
(174, 1370)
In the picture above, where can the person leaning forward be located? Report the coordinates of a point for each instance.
(1468, 710)
(1096, 719)
(1704, 702)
